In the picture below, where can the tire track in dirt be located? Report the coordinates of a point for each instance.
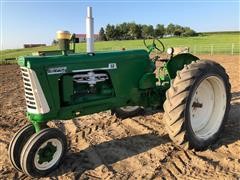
(151, 123)
(191, 166)
(120, 129)
(78, 132)
(141, 160)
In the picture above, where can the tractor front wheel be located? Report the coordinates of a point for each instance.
(17, 143)
(43, 152)
(197, 104)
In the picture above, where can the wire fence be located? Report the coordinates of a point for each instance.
(211, 49)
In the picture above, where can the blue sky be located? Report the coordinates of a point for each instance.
(37, 21)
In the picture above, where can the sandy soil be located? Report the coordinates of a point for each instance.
(104, 147)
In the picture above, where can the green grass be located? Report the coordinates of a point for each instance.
(219, 42)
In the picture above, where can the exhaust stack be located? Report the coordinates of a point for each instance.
(89, 31)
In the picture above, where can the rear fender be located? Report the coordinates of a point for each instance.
(177, 63)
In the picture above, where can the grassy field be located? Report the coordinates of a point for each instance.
(224, 43)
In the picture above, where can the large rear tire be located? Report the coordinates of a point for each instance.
(197, 104)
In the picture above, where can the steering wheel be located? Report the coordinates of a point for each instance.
(153, 46)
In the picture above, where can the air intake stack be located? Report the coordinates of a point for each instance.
(64, 38)
(89, 31)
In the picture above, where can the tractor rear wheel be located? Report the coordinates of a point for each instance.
(127, 111)
(197, 104)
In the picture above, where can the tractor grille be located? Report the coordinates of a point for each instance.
(35, 98)
(29, 94)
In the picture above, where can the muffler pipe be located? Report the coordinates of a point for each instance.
(89, 32)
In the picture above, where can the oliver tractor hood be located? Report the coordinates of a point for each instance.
(99, 60)
(112, 80)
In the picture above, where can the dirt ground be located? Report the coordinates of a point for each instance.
(104, 147)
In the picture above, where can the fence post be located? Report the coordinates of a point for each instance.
(232, 48)
(211, 50)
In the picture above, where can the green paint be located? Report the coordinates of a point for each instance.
(177, 63)
(131, 81)
(147, 81)
(38, 124)
(66, 93)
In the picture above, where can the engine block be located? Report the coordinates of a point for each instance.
(90, 78)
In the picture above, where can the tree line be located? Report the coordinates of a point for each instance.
(127, 31)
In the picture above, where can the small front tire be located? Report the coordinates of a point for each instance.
(17, 143)
(43, 152)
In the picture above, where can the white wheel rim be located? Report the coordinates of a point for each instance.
(207, 107)
(55, 158)
(129, 108)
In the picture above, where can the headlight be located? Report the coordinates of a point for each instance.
(170, 50)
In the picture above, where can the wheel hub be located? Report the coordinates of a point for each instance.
(46, 153)
(196, 104)
(207, 107)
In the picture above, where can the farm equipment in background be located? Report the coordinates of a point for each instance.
(195, 95)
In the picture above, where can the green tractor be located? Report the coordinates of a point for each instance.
(194, 93)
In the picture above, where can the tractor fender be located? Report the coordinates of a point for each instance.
(177, 63)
